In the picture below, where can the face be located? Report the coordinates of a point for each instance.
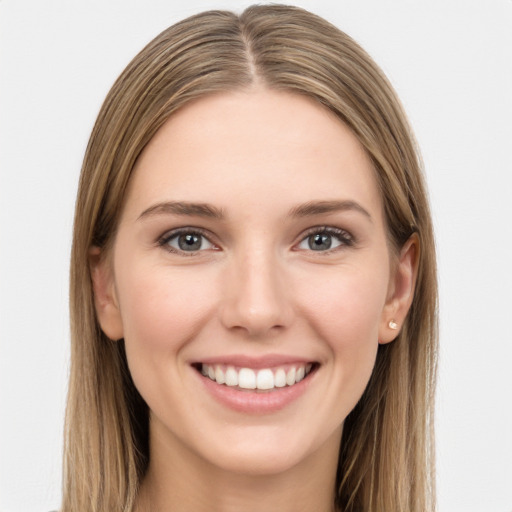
(252, 281)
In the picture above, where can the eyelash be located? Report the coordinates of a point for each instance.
(343, 236)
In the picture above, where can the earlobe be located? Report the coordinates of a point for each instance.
(401, 290)
(105, 298)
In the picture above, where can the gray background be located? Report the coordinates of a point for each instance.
(451, 63)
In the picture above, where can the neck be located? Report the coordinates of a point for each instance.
(180, 481)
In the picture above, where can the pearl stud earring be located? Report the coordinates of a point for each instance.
(393, 325)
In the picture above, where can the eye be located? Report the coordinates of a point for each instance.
(186, 241)
(325, 239)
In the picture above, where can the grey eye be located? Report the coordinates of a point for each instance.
(189, 242)
(319, 242)
(325, 239)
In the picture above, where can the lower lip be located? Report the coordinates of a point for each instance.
(256, 402)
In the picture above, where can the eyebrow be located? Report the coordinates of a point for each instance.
(310, 208)
(322, 207)
(183, 208)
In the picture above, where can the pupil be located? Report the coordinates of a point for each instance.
(189, 242)
(320, 242)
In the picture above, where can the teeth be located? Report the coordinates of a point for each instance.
(247, 378)
(231, 377)
(280, 378)
(219, 375)
(265, 379)
(290, 376)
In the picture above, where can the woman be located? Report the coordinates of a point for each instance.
(253, 280)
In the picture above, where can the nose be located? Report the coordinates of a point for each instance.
(256, 296)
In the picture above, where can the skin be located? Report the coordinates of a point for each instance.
(255, 288)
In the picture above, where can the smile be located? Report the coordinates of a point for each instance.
(259, 379)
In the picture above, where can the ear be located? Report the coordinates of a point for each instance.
(401, 290)
(105, 298)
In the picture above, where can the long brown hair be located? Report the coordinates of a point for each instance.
(386, 459)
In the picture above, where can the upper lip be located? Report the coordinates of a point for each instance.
(258, 362)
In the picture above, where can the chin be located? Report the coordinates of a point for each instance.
(258, 462)
(266, 451)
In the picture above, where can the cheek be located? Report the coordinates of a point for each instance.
(161, 310)
(345, 314)
(347, 305)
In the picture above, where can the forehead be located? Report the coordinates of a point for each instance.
(238, 147)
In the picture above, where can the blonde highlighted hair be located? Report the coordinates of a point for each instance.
(386, 459)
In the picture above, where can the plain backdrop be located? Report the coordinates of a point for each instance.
(451, 63)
